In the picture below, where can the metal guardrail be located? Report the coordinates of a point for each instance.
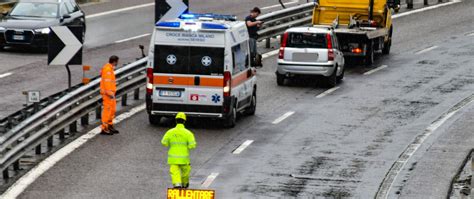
(29, 128)
(275, 23)
(64, 113)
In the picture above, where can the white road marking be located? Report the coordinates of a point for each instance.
(470, 34)
(209, 180)
(375, 70)
(119, 10)
(269, 54)
(425, 9)
(329, 91)
(278, 5)
(5, 75)
(132, 38)
(426, 50)
(283, 117)
(398, 166)
(242, 147)
(21, 184)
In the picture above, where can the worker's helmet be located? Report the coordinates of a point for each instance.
(181, 115)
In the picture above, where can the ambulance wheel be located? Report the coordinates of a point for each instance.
(253, 105)
(230, 121)
(154, 120)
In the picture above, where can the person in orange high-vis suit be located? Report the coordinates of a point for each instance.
(108, 88)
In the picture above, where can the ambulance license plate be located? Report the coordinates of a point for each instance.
(168, 93)
(19, 37)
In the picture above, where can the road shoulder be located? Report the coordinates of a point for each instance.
(431, 175)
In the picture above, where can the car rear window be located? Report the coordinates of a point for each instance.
(189, 60)
(306, 40)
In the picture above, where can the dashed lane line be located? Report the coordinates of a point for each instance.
(425, 9)
(119, 10)
(426, 50)
(132, 38)
(5, 75)
(387, 183)
(209, 180)
(283, 117)
(242, 147)
(26, 180)
(329, 91)
(375, 70)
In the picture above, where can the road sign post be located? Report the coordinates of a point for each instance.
(65, 47)
(169, 9)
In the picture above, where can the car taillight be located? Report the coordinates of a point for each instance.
(281, 54)
(356, 50)
(227, 83)
(149, 83)
(330, 50)
(373, 24)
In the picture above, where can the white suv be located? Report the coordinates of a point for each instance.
(310, 51)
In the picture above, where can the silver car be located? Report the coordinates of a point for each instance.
(310, 51)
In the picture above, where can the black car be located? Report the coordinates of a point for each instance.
(28, 22)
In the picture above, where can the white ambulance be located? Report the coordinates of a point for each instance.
(200, 64)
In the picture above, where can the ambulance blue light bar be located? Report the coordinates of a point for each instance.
(167, 24)
(208, 15)
(213, 26)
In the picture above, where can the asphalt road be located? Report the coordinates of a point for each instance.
(27, 68)
(338, 146)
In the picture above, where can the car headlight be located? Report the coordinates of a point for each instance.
(43, 30)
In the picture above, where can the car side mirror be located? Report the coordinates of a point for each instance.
(4, 13)
(66, 16)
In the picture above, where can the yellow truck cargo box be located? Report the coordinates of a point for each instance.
(329, 10)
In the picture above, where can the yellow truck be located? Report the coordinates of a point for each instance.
(363, 27)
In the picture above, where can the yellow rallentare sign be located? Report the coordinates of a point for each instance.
(190, 194)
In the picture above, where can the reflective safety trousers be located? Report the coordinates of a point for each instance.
(108, 112)
(180, 141)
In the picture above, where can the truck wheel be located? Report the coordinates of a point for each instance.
(253, 105)
(154, 120)
(230, 121)
(369, 57)
(280, 79)
(388, 44)
(331, 81)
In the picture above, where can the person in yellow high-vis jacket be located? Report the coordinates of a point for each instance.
(108, 88)
(179, 140)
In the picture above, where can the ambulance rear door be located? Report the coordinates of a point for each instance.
(188, 71)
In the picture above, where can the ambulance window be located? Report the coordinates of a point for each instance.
(171, 59)
(206, 61)
(240, 56)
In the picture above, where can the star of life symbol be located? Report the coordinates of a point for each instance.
(216, 98)
(206, 61)
(171, 59)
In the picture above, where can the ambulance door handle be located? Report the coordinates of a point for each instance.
(197, 80)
